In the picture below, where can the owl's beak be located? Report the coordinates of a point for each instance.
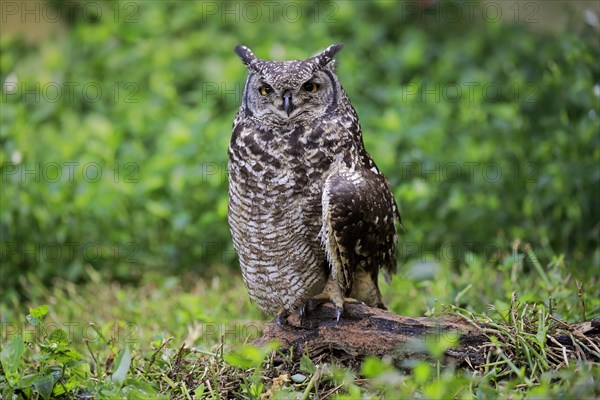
(288, 106)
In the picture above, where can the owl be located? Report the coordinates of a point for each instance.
(311, 216)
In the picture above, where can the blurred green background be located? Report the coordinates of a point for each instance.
(116, 118)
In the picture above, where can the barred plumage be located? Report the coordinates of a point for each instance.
(310, 213)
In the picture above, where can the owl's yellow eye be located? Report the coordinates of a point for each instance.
(265, 90)
(310, 87)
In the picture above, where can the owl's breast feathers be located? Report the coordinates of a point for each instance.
(303, 152)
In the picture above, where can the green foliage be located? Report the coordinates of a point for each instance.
(476, 284)
(113, 341)
(11, 359)
(123, 363)
(58, 370)
(114, 138)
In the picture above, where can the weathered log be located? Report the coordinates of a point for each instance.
(366, 331)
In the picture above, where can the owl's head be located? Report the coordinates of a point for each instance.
(289, 91)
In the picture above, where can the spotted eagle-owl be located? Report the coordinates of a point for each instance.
(311, 215)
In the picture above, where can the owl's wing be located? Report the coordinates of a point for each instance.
(359, 232)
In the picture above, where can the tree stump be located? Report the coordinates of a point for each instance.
(364, 331)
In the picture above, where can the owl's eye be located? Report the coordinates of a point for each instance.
(310, 87)
(265, 90)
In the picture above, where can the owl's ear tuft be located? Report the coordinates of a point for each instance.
(325, 57)
(245, 54)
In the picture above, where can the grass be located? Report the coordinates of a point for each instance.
(188, 337)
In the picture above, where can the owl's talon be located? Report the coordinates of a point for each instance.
(281, 319)
(302, 313)
(306, 308)
(338, 314)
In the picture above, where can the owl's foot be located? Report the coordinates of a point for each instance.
(332, 293)
(281, 318)
(311, 304)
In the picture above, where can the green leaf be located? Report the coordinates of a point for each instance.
(59, 336)
(44, 384)
(27, 380)
(239, 360)
(249, 356)
(199, 391)
(79, 372)
(36, 314)
(10, 357)
(306, 365)
(123, 362)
